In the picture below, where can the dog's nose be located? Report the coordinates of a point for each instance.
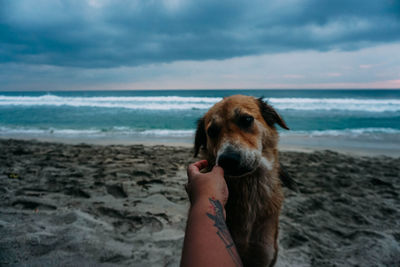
(229, 161)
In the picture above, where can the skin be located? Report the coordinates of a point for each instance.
(207, 239)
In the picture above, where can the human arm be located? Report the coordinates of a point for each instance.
(207, 238)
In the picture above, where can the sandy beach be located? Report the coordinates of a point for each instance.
(125, 205)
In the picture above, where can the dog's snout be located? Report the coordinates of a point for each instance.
(229, 160)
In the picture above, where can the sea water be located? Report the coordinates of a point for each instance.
(315, 117)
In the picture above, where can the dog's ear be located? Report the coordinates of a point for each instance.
(270, 115)
(200, 139)
(286, 180)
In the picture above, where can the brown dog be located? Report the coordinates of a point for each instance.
(239, 134)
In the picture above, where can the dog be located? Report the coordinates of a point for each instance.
(239, 134)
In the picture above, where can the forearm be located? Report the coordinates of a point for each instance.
(207, 240)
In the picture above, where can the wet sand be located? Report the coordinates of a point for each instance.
(116, 205)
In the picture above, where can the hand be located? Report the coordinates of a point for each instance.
(206, 185)
(207, 238)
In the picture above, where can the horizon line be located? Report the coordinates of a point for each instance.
(210, 89)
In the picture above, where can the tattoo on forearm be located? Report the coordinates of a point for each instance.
(223, 231)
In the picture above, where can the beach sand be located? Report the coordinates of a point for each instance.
(116, 205)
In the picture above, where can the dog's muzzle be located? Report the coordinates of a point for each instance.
(236, 162)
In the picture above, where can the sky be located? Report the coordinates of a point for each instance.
(202, 44)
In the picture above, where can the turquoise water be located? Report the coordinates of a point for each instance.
(172, 114)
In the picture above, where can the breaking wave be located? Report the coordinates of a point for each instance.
(187, 103)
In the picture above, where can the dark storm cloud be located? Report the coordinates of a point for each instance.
(97, 34)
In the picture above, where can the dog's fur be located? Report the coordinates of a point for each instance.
(239, 134)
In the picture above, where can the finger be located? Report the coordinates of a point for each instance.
(196, 167)
(192, 170)
(201, 164)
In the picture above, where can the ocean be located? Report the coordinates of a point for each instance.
(317, 118)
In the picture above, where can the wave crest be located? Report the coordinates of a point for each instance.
(203, 103)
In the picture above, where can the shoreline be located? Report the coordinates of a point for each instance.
(287, 144)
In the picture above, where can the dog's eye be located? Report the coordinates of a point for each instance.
(246, 121)
(213, 131)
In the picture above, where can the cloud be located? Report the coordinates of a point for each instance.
(311, 69)
(107, 34)
(293, 76)
(366, 66)
(334, 74)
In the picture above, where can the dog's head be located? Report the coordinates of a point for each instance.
(239, 134)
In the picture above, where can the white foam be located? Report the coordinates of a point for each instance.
(345, 132)
(175, 133)
(144, 103)
(119, 131)
(351, 104)
(184, 103)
